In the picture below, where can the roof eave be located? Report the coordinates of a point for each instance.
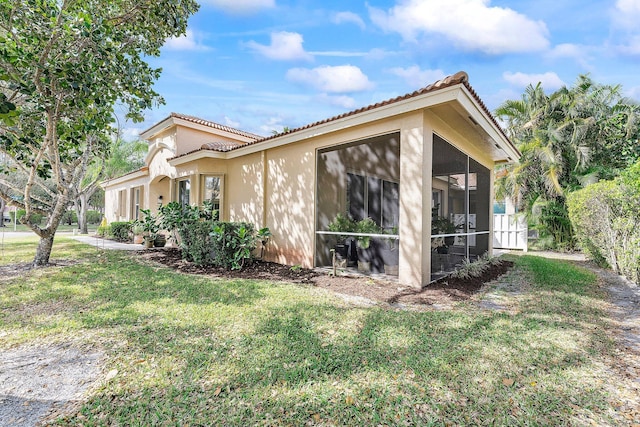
(201, 153)
(426, 100)
(140, 173)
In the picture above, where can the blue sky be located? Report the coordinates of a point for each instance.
(260, 65)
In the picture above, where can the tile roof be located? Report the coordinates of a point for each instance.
(210, 124)
(222, 146)
(460, 77)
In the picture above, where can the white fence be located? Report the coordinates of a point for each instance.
(509, 232)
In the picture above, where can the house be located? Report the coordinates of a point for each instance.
(415, 164)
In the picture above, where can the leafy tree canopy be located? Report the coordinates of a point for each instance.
(63, 66)
(569, 139)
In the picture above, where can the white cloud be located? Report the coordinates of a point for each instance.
(131, 133)
(242, 6)
(415, 77)
(348, 17)
(284, 46)
(342, 101)
(549, 80)
(336, 79)
(631, 47)
(625, 30)
(579, 53)
(272, 125)
(627, 14)
(190, 41)
(634, 93)
(231, 123)
(469, 24)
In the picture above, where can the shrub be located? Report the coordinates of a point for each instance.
(104, 231)
(69, 217)
(605, 216)
(206, 241)
(195, 241)
(94, 217)
(36, 218)
(233, 243)
(120, 231)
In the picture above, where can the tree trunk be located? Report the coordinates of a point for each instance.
(82, 204)
(44, 251)
(2, 206)
(81, 213)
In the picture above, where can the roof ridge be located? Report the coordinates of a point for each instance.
(461, 77)
(215, 125)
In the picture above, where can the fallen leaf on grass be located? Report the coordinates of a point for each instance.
(218, 391)
(349, 400)
(508, 382)
(111, 374)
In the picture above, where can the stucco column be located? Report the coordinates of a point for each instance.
(416, 144)
(173, 197)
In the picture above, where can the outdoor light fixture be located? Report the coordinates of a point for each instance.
(160, 200)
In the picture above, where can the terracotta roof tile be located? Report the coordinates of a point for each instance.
(214, 125)
(221, 146)
(460, 77)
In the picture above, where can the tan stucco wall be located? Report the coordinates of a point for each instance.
(277, 187)
(111, 199)
(244, 189)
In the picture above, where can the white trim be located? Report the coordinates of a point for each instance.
(124, 178)
(197, 155)
(172, 121)
(458, 93)
(158, 146)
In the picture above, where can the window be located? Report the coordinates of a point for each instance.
(136, 197)
(122, 203)
(184, 190)
(212, 185)
(375, 198)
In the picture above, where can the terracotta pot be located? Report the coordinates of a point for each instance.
(138, 239)
(148, 242)
(160, 241)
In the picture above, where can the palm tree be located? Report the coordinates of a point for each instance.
(568, 139)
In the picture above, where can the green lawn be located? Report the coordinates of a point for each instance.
(197, 351)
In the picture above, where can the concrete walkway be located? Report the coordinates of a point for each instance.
(89, 239)
(101, 243)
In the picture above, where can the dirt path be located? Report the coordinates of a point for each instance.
(37, 381)
(624, 298)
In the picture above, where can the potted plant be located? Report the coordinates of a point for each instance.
(342, 223)
(389, 253)
(150, 227)
(138, 232)
(442, 225)
(366, 249)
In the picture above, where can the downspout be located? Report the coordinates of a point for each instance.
(265, 169)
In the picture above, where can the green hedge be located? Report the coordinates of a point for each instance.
(69, 217)
(195, 242)
(94, 217)
(120, 231)
(35, 217)
(605, 217)
(222, 244)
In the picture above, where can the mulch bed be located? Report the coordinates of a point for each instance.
(440, 293)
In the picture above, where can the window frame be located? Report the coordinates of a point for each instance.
(203, 186)
(366, 202)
